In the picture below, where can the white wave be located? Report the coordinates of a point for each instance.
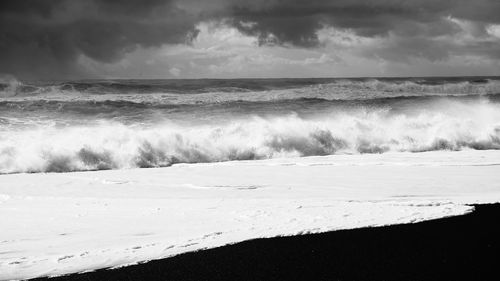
(336, 90)
(456, 126)
(408, 86)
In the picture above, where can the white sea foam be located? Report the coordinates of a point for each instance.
(455, 126)
(60, 223)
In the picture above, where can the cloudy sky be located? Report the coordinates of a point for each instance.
(60, 39)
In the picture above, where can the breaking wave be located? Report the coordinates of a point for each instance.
(213, 90)
(110, 145)
(62, 126)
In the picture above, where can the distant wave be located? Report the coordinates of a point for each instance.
(315, 87)
(96, 106)
(108, 145)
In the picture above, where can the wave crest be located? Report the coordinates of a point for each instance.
(214, 91)
(117, 146)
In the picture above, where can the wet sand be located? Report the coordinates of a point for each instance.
(465, 247)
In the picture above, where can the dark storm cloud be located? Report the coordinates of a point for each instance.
(415, 28)
(45, 38)
(296, 21)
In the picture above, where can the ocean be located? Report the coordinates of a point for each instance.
(65, 126)
(236, 160)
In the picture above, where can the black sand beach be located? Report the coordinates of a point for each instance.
(457, 248)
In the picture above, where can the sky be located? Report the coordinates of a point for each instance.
(70, 39)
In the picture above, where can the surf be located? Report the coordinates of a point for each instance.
(450, 125)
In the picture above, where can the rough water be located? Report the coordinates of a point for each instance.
(62, 126)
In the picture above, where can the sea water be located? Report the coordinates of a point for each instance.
(64, 126)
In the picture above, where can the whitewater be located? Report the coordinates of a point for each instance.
(97, 125)
(107, 173)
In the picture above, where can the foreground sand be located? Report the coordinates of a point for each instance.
(455, 248)
(55, 224)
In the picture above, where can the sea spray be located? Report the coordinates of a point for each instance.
(112, 145)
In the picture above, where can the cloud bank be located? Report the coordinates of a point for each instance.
(49, 38)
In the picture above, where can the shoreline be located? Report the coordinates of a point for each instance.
(83, 221)
(459, 247)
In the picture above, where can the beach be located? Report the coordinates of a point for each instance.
(457, 248)
(62, 223)
(249, 140)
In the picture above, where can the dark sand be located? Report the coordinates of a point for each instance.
(457, 248)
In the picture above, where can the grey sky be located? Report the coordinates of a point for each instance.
(50, 39)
